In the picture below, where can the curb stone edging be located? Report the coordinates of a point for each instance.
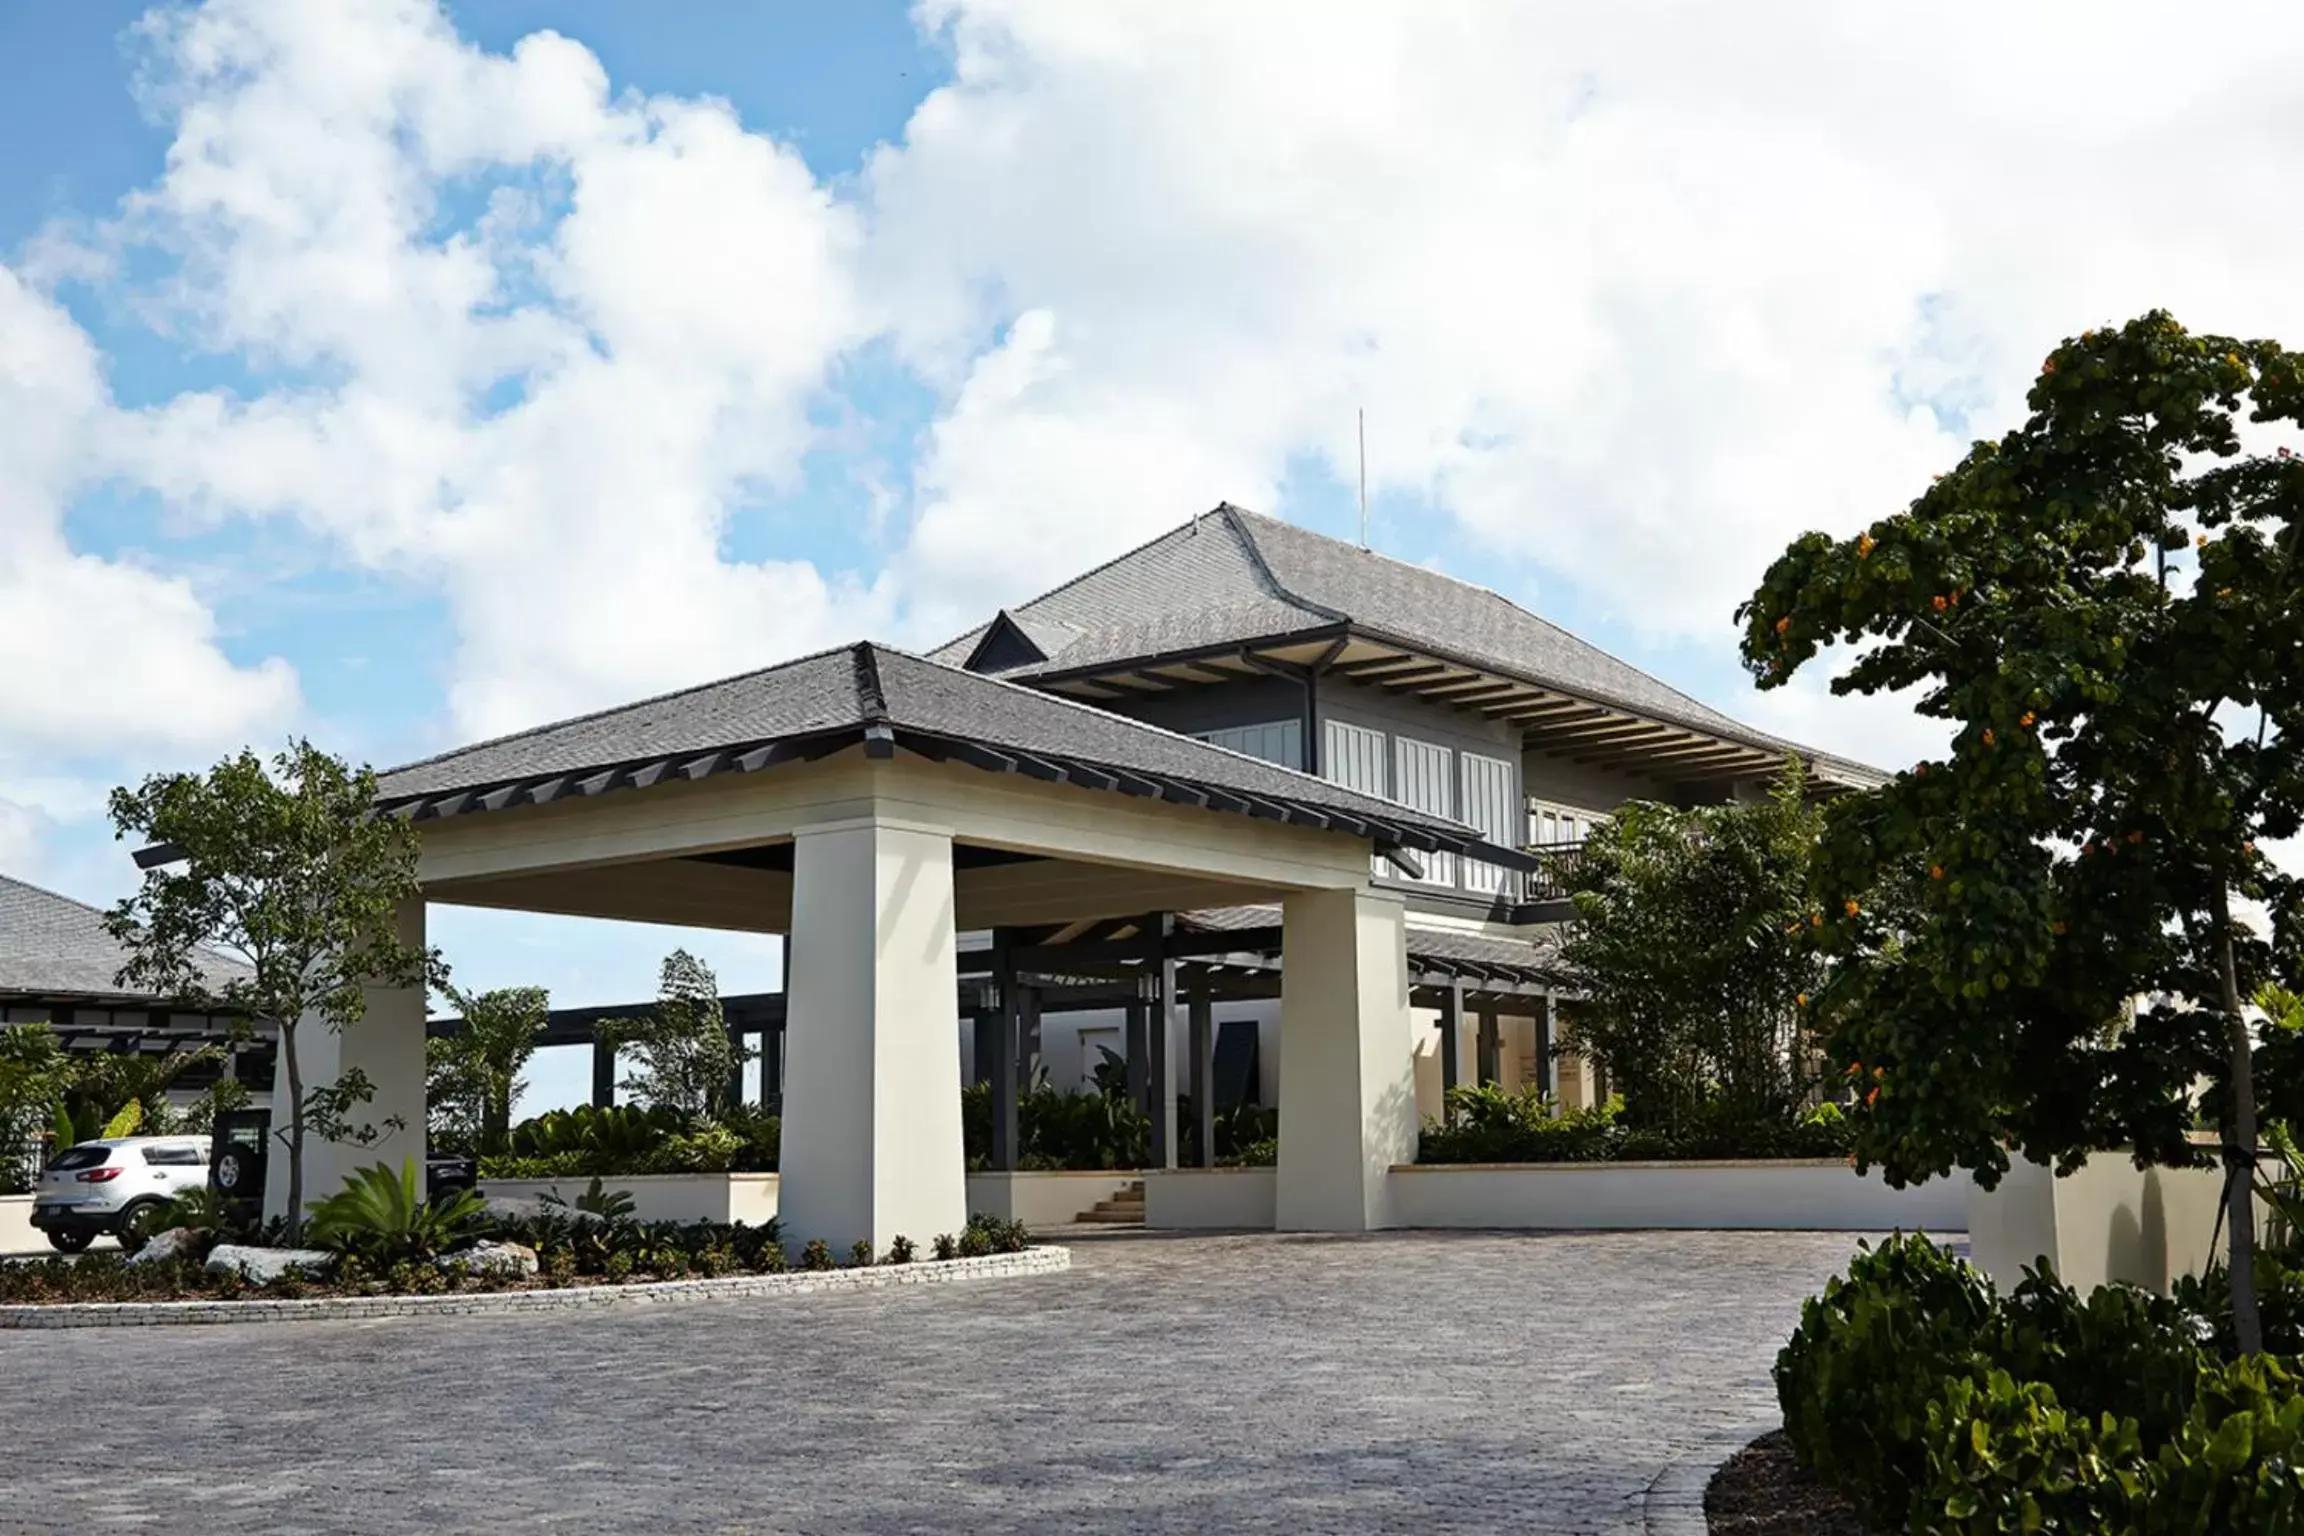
(1674, 1502)
(145, 1314)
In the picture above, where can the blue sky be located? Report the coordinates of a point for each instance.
(403, 374)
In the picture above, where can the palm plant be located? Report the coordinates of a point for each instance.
(383, 1218)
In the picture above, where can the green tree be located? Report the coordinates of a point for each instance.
(473, 1077)
(35, 1074)
(289, 872)
(684, 1054)
(2103, 604)
(107, 1085)
(1687, 955)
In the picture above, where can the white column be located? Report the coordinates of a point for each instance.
(386, 1045)
(872, 1084)
(1347, 1060)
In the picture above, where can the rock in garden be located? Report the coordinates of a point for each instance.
(262, 1266)
(165, 1247)
(490, 1258)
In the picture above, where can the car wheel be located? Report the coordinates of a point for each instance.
(70, 1239)
(140, 1223)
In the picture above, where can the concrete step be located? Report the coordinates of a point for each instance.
(1104, 1218)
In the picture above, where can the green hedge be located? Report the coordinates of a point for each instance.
(1489, 1124)
(1944, 1410)
(588, 1142)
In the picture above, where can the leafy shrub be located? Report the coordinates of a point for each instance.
(974, 1243)
(1058, 1129)
(900, 1251)
(2237, 1464)
(946, 1247)
(860, 1253)
(2118, 1351)
(1490, 1124)
(759, 1136)
(816, 1255)
(999, 1236)
(382, 1217)
(1870, 1354)
(2004, 1455)
(1941, 1408)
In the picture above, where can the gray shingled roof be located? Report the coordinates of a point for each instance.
(1234, 577)
(53, 946)
(838, 697)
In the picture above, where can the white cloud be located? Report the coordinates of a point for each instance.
(93, 653)
(1637, 291)
(545, 405)
(1630, 292)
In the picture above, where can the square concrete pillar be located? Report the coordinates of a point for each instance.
(387, 1045)
(1347, 1060)
(872, 1083)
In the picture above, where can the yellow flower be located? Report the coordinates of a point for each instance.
(1783, 624)
(1872, 1098)
(1989, 738)
(2026, 720)
(1863, 546)
(1852, 909)
(1801, 1000)
(1879, 1074)
(1935, 871)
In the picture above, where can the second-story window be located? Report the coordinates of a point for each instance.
(1424, 777)
(1489, 806)
(1275, 741)
(1550, 823)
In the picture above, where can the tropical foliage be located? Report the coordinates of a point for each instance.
(283, 868)
(1490, 1124)
(473, 1077)
(1687, 957)
(1939, 1407)
(684, 1057)
(35, 1072)
(2101, 604)
(382, 1217)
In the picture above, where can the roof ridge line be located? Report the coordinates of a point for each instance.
(1097, 570)
(871, 698)
(613, 709)
(1232, 515)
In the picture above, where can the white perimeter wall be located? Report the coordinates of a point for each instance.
(746, 1197)
(1771, 1196)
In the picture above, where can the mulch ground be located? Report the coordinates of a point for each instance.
(1762, 1492)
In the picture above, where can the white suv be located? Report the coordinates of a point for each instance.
(117, 1186)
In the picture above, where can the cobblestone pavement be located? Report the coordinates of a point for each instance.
(1412, 1382)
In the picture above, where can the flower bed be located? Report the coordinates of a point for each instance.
(261, 1308)
(1938, 1406)
(556, 1250)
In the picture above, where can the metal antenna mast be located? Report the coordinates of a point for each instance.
(1363, 415)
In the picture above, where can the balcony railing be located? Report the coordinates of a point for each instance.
(1560, 863)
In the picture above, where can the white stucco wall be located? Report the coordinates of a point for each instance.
(2107, 1220)
(1211, 1197)
(1763, 1196)
(17, 1234)
(746, 1197)
(1041, 1199)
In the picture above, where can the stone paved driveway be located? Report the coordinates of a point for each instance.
(1411, 1382)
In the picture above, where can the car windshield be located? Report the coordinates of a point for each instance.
(80, 1157)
